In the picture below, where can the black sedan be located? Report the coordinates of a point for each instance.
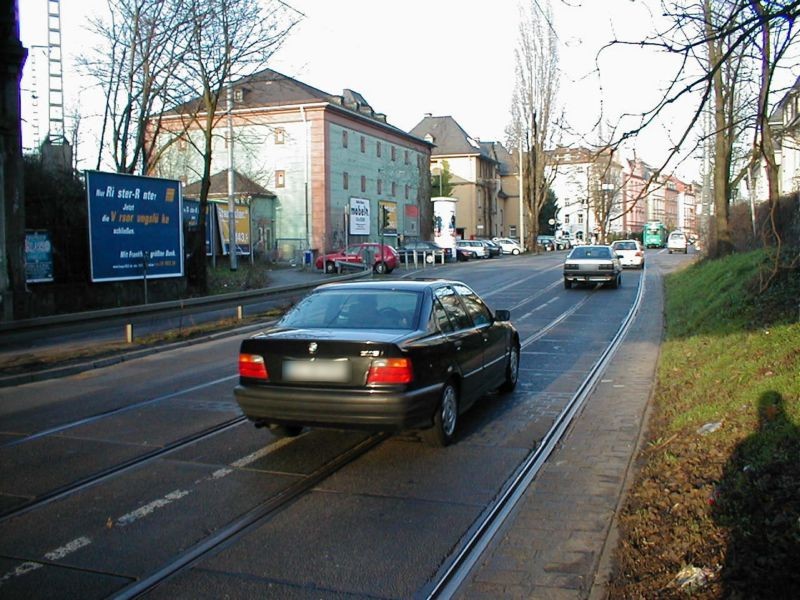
(378, 355)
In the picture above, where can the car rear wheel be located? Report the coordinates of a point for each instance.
(617, 282)
(512, 371)
(330, 267)
(515, 252)
(380, 267)
(445, 419)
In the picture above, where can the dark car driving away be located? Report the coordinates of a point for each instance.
(378, 355)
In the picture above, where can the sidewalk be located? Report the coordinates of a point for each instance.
(559, 541)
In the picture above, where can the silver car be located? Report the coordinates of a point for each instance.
(592, 264)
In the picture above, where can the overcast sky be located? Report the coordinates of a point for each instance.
(445, 57)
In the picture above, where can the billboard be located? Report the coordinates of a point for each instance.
(359, 216)
(38, 257)
(241, 224)
(134, 226)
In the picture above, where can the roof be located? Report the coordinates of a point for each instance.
(242, 186)
(390, 284)
(449, 138)
(271, 89)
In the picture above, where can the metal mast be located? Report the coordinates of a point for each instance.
(55, 130)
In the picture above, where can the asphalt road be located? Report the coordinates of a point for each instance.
(115, 475)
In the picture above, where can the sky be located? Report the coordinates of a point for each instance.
(409, 58)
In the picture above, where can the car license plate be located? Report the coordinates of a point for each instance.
(318, 370)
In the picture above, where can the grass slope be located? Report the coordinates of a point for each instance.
(715, 509)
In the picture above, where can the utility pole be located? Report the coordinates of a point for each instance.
(231, 191)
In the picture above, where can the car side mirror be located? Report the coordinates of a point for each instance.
(619, 256)
(502, 315)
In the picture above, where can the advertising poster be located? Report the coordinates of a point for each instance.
(444, 222)
(241, 223)
(411, 221)
(135, 228)
(359, 216)
(38, 257)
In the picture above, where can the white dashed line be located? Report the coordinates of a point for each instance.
(149, 508)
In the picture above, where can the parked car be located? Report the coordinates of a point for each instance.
(630, 253)
(427, 251)
(474, 247)
(494, 249)
(384, 355)
(546, 243)
(567, 238)
(677, 242)
(384, 258)
(592, 264)
(508, 246)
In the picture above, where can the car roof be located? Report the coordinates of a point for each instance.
(409, 285)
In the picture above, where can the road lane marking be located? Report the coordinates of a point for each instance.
(57, 554)
(250, 458)
(68, 549)
(151, 507)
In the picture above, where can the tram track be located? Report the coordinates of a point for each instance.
(454, 570)
(117, 469)
(255, 516)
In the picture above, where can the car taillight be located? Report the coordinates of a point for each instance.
(639, 253)
(252, 366)
(390, 370)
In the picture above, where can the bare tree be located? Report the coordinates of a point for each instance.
(134, 64)
(228, 39)
(533, 107)
(719, 43)
(605, 186)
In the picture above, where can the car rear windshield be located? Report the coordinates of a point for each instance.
(625, 246)
(356, 309)
(591, 252)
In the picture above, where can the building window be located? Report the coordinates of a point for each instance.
(394, 189)
(280, 135)
(406, 192)
(344, 139)
(238, 95)
(580, 218)
(406, 159)
(363, 183)
(345, 180)
(378, 149)
(380, 186)
(280, 179)
(566, 219)
(394, 153)
(363, 144)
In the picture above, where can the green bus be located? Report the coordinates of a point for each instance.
(654, 235)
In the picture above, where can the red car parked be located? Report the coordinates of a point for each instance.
(384, 258)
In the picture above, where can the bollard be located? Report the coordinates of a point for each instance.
(239, 312)
(129, 333)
